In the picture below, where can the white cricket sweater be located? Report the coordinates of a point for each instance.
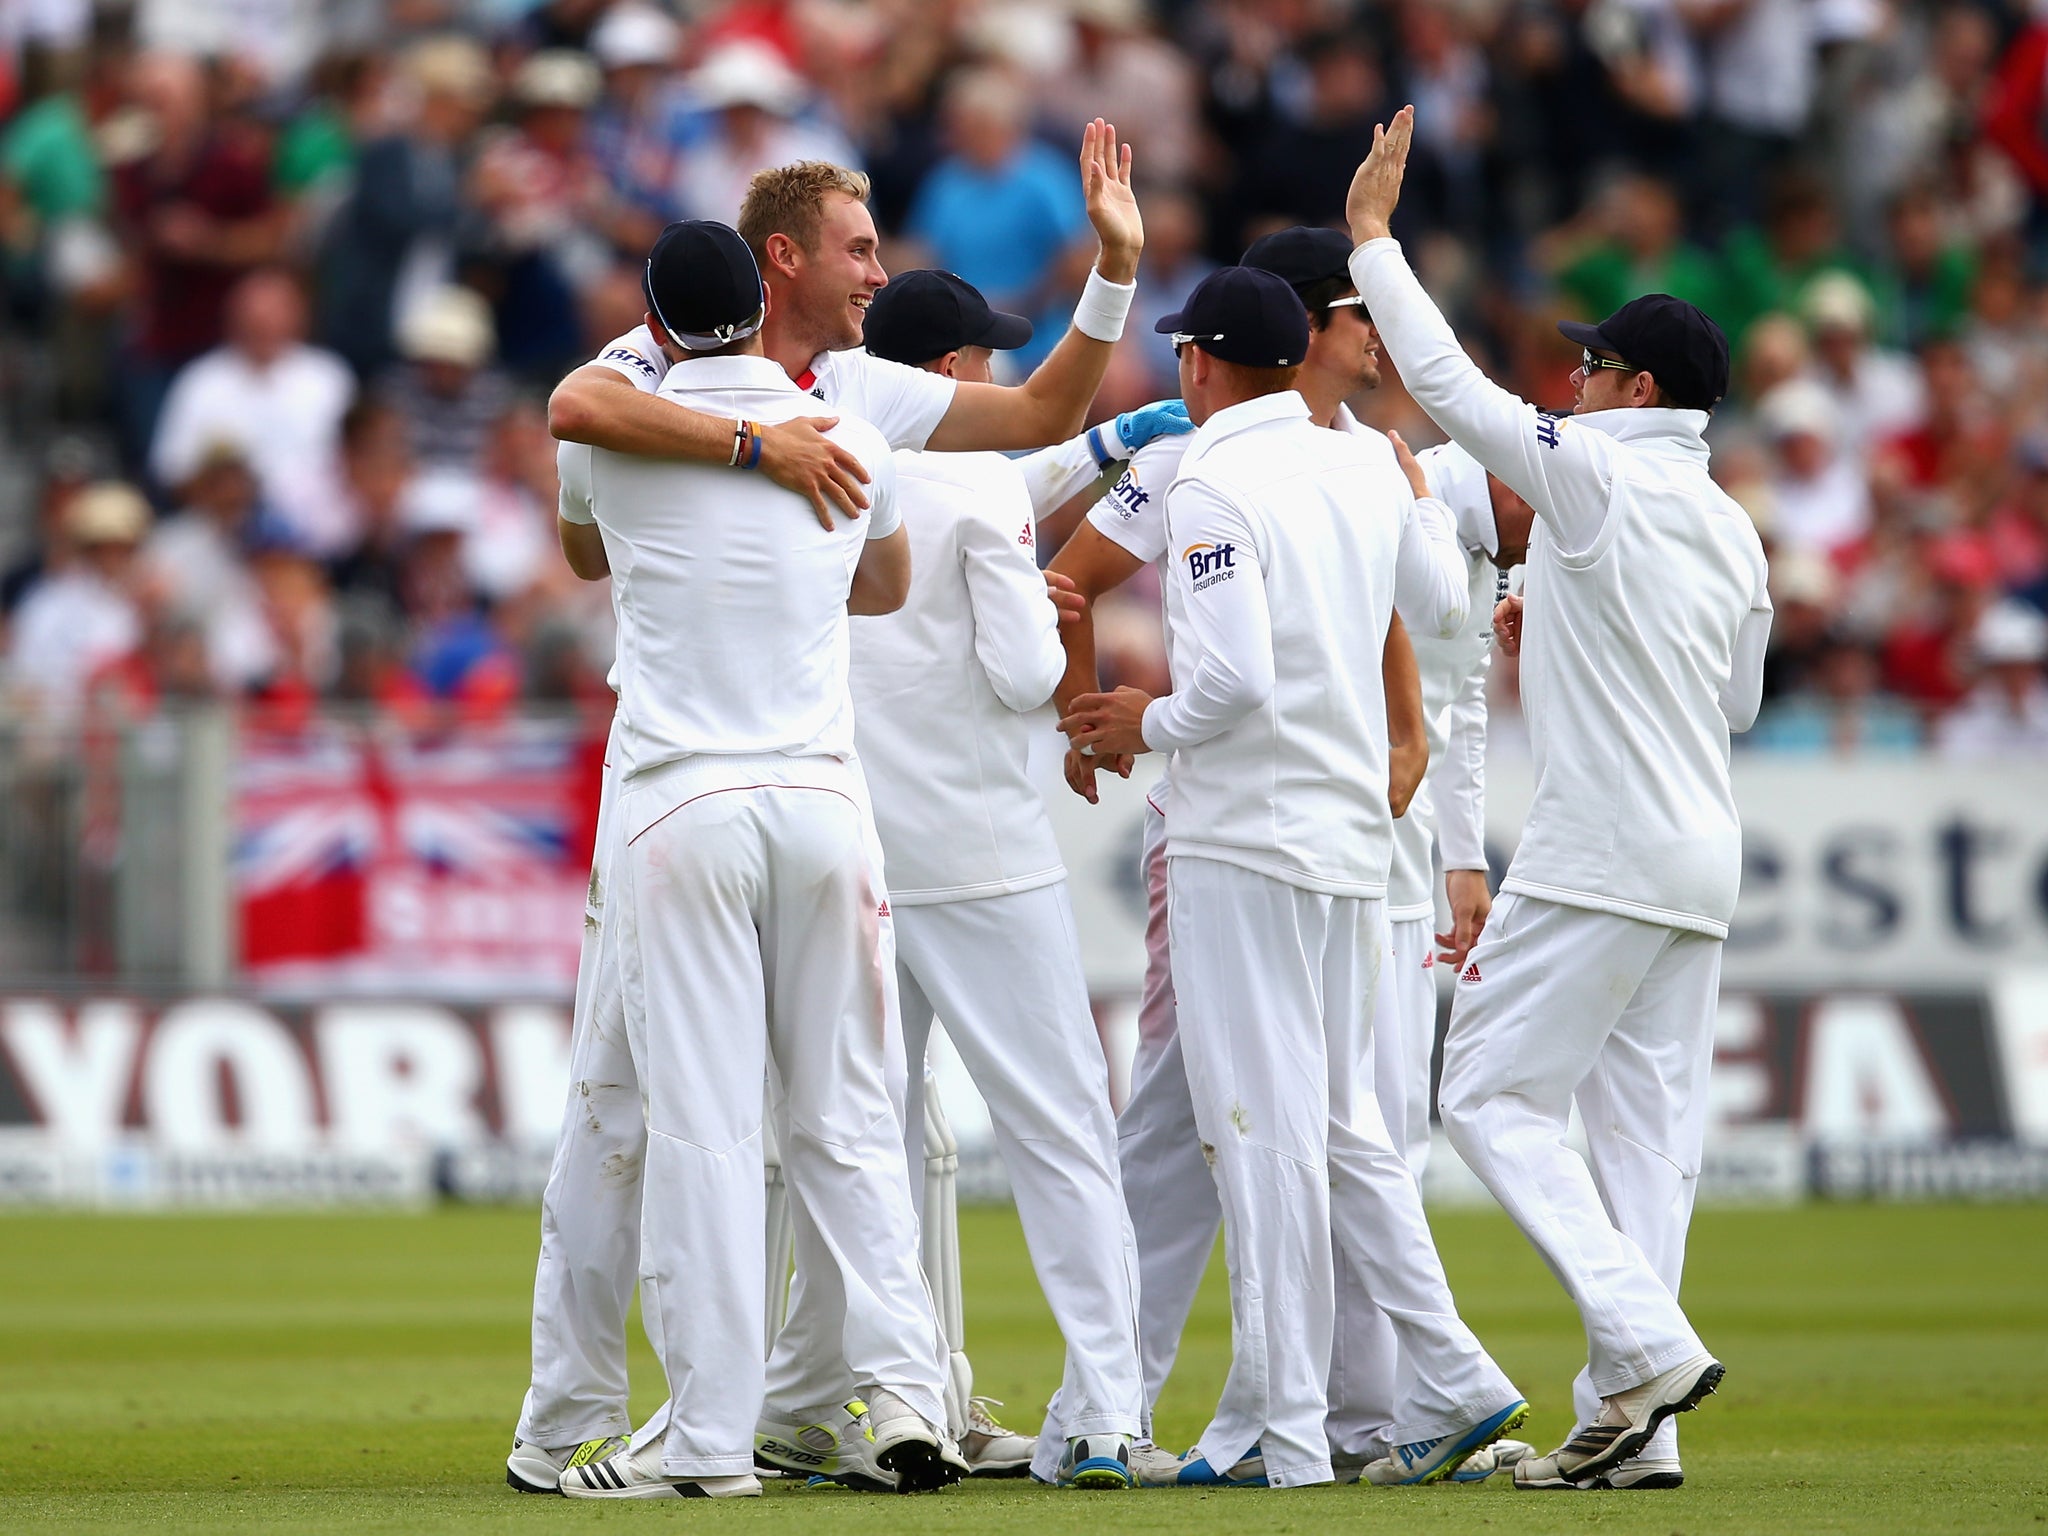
(1646, 615)
(1285, 540)
(944, 688)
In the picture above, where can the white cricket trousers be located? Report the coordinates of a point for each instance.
(1558, 1002)
(749, 935)
(590, 1212)
(1367, 1379)
(1004, 973)
(1275, 988)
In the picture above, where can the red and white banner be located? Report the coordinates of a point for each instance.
(368, 856)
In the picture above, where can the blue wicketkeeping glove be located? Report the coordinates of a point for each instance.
(1134, 429)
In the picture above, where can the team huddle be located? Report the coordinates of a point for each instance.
(819, 833)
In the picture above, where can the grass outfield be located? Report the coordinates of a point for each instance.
(1888, 1372)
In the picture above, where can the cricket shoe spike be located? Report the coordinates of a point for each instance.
(1489, 1459)
(991, 1449)
(922, 1456)
(1097, 1461)
(630, 1474)
(535, 1469)
(1193, 1471)
(1427, 1461)
(1626, 1422)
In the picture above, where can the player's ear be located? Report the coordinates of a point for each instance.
(782, 253)
(948, 366)
(654, 326)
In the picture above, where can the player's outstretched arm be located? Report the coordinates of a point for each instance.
(1407, 739)
(1053, 403)
(1563, 474)
(598, 406)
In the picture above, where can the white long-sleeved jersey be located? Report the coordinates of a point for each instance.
(731, 599)
(1449, 808)
(943, 689)
(1285, 540)
(1646, 614)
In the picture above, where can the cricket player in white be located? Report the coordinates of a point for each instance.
(747, 918)
(1641, 628)
(1286, 541)
(944, 694)
(1166, 1182)
(810, 224)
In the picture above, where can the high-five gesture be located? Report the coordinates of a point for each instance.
(1112, 207)
(1376, 186)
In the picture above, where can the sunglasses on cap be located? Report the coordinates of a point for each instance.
(1182, 338)
(1590, 365)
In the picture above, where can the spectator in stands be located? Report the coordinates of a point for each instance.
(401, 220)
(637, 46)
(87, 613)
(747, 114)
(1167, 273)
(2017, 530)
(1805, 592)
(1298, 173)
(2006, 714)
(275, 398)
(548, 214)
(377, 465)
(1877, 393)
(1767, 267)
(1819, 496)
(1934, 620)
(1928, 272)
(197, 562)
(455, 652)
(1114, 68)
(1958, 446)
(1003, 210)
(1840, 710)
(1629, 242)
(1758, 61)
(445, 391)
(195, 207)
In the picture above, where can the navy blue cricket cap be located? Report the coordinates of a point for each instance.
(1676, 342)
(924, 314)
(703, 286)
(1302, 255)
(1243, 315)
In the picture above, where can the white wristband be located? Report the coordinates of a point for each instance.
(1103, 308)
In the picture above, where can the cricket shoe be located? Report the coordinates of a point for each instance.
(832, 1443)
(991, 1450)
(1645, 1472)
(1500, 1456)
(630, 1474)
(1428, 1461)
(922, 1456)
(1626, 1422)
(1193, 1471)
(1151, 1466)
(535, 1469)
(1097, 1461)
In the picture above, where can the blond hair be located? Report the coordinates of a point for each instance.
(790, 200)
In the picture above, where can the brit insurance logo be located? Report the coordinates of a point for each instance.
(1210, 563)
(1127, 496)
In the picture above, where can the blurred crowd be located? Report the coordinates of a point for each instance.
(286, 281)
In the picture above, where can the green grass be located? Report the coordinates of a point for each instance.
(1888, 1372)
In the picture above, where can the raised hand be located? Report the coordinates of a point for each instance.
(1376, 185)
(1112, 206)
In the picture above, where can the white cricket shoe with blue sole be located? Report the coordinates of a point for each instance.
(1098, 1461)
(1429, 1461)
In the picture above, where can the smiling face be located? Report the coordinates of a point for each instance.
(1344, 344)
(821, 294)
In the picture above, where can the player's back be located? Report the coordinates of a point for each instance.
(731, 599)
(945, 688)
(1297, 788)
(1627, 649)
